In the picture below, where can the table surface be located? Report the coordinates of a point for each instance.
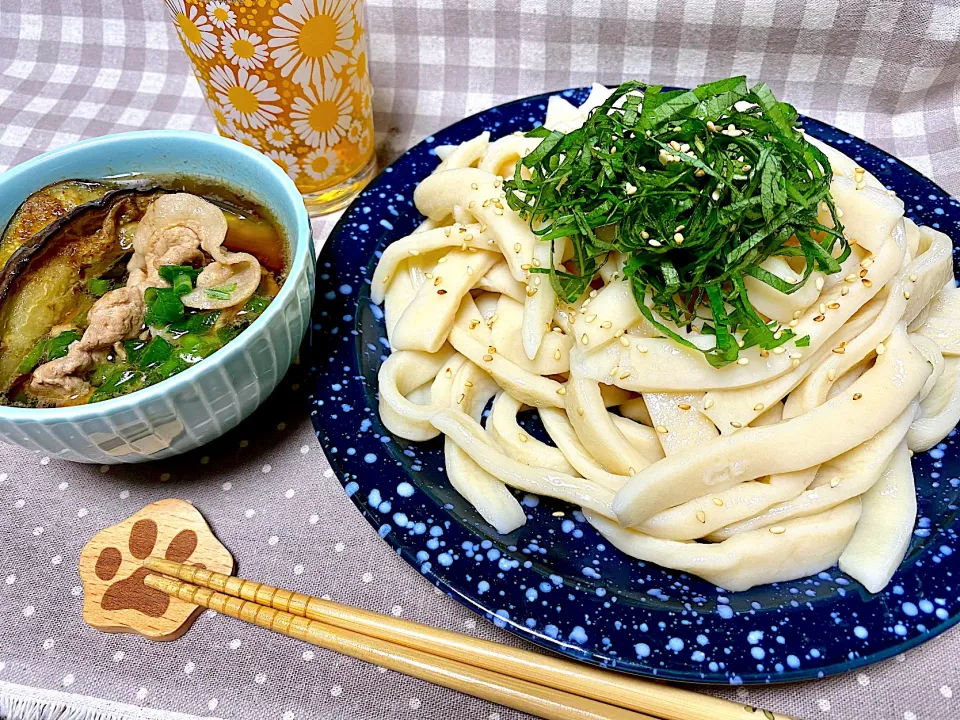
(70, 69)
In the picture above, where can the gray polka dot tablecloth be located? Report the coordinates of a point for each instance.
(885, 70)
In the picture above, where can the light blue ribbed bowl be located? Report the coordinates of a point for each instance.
(203, 402)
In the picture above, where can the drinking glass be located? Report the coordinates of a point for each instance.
(289, 78)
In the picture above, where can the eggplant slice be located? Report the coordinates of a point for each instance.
(42, 282)
(44, 207)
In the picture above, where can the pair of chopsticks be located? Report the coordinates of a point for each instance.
(537, 684)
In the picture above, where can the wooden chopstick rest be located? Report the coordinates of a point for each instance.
(643, 696)
(513, 692)
(114, 596)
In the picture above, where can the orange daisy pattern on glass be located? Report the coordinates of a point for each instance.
(287, 77)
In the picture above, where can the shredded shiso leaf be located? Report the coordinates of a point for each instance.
(696, 188)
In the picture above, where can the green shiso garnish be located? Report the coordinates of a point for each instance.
(696, 192)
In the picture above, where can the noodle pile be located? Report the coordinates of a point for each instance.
(769, 469)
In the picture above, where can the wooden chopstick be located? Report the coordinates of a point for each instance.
(663, 701)
(513, 692)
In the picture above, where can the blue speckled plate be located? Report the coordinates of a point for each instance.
(554, 581)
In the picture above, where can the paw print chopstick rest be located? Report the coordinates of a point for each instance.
(115, 598)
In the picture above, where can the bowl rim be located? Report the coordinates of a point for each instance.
(301, 257)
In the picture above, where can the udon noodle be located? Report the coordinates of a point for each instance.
(769, 469)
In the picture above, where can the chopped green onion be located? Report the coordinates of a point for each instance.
(170, 272)
(156, 352)
(163, 306)
(256, 305)
(58, 346)
(134, 350)
(99, 286)
(101, 371)
(182, 284)
(168, 368)
(32, 358)
(181, 277)
(196, 322)
(120, 382)
(221, 292)
(202, 345)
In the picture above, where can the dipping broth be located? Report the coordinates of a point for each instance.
(108, 287)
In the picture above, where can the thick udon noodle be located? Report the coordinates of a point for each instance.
(770, 469)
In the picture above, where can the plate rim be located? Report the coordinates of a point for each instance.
(560, 646)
